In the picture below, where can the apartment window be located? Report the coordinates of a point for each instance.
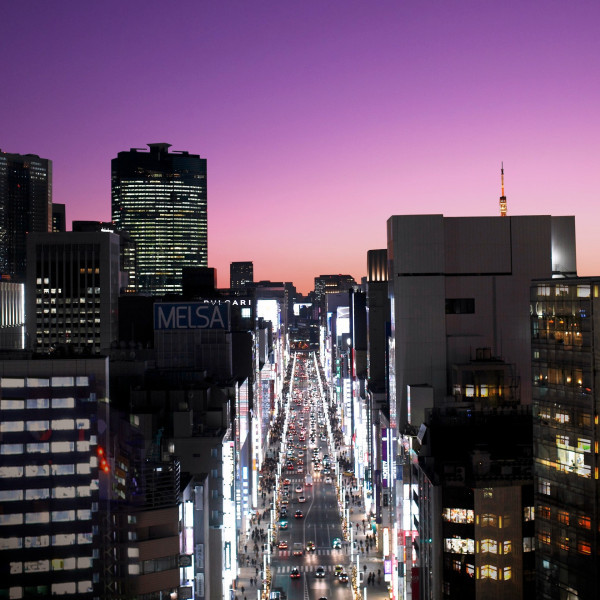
(37, 494)
(11, 495)
(460, 306)
(584, 522)
(528, 544)
(9, 426)
(507, 547)
(37, 541)
(544, 487)
(507, 573)
(489, 545)
(489, 572)
(584, 547)
(563, 517)
(544, 536)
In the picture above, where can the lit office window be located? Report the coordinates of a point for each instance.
(11, 382)
(37, 541)
(63, 446)
(37, 470)
(64, 564)
(11, 519)
(37, 382)
(38, 403)
(63, 424)
(59, 589)
(11, 495)
(59, 516)
(85, 538)
(12, 404)
(63, 539)
(38, 425)
(63, 492)
(84, 515)
(36, 566)
(63, 469)
(63, 402)
(37, 517)
(11, 472)
(8, 426)
(11, 449)
(63, 381)
(39, 447)
(11, 543)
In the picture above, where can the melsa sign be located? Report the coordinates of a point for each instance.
(190, 315)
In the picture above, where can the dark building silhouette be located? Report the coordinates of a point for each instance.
(160, 198)
(25, 206)
(241, 274)
(59, 221)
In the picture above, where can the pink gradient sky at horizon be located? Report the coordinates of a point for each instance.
(319, 120)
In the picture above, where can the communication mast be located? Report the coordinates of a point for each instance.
(503, 197)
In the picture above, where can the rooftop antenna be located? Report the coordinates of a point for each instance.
(503, 197)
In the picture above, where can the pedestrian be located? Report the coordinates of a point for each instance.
(243, 589)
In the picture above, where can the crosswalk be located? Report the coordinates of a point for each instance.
(317, 552)
(303, 568)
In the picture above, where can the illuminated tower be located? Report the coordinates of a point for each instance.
(160, 199)
(503, 197)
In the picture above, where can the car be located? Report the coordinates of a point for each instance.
(320, 572)
(327, 479)
(295, 573)
(337, 570)
(326, 471)
(336, 544)
(310, 547)
(298, 489)
(301, 499)
(282, 545)
(298, 514)
(343, 577)
(298, 549)
(301, 453)
(300, 469)
(286, 481)
(283, 524)
(285, 501)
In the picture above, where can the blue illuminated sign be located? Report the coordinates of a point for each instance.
(190, 315)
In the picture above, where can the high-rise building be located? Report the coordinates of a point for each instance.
(330, 284)
(460, 349)
(25, 206)
(53, 476)
(565, 323)
(160, 198)
(241, 274)
(72, 290)
(59, 219)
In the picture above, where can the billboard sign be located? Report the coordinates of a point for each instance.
(190, 315)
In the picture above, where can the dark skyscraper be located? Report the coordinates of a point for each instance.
(160, 198)
(241, 274)
(25, 206)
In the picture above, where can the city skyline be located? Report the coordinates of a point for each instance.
(319, 122)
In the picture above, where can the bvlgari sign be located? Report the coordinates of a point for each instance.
(190, 315)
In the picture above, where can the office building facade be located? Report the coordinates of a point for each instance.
(72, 291)
(565, 323)
(160, 199)
(241, 274)
(25, 206)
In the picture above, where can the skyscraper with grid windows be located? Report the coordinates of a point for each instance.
(159, 197)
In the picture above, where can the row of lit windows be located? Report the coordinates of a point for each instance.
(80, 491)
(565, 543)
(57, 516)
(57, 589)
(56, 564)
(20, 382)
(44, 425)
(46, 470)
(43, 448)
(31, 403)
(43, 541)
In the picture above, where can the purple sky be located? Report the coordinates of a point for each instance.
(319, 119)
